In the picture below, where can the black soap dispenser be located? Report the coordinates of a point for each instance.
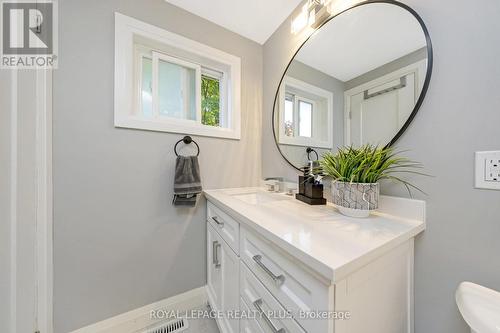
(310, 182)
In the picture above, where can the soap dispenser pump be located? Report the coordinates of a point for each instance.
(311, 181)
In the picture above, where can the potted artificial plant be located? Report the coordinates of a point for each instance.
(356, 172)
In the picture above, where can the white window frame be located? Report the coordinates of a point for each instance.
(127, 112)
(224, 116)
(302, 140)
(157, 56)
(139, 54)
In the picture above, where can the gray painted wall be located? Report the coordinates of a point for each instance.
(392, 66)
(119, 243)
(460, 115)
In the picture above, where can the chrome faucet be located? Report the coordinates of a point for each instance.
(273, 184)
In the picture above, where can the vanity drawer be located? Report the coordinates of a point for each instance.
(292, 284)
(270, 315)
(225, 225)
(248, 324)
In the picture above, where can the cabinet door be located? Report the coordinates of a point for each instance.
(223, 267)
(214, 269)
(230, 264)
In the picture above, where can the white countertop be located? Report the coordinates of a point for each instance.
(329, 243)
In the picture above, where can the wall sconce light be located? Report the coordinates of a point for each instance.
(301, 20)
(313, 14)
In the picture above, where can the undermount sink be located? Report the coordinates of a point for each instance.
(258, 197)
(480, 307)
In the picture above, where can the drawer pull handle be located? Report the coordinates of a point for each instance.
(216, 220)
(278, 279)
(258, 304)
(215, 255)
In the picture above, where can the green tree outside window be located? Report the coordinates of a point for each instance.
(210, 101)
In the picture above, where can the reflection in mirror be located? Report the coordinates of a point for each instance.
(356, 80)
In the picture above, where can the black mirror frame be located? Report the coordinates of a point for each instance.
(425, 87)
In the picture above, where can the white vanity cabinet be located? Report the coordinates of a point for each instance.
(301, 267)
(223, 267)
(291, 283)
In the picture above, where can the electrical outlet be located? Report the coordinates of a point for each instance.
(488, 170)
(492, 170)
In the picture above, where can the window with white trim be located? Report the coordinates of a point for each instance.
(305, 114)
(166, 82)
(298, 116)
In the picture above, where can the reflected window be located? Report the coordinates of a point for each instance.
(305, 114)
(305, 118)
(289, 124)
(297, 116)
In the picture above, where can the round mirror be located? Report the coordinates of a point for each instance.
(359, 79)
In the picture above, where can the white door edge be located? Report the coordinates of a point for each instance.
(44, 204)
(13, 202)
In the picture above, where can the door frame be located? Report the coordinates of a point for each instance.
(37, 134)
(44, 202)
(418, 68)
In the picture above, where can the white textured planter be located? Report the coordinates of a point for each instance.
(355, 199)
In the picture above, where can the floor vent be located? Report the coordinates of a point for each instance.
(174, 326)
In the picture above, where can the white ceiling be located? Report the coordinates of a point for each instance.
(361, 40)
(254, 19)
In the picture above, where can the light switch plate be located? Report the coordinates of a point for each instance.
(487, 170)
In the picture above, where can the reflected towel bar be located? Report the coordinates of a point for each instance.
(402, 84)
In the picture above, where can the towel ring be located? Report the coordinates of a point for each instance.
(187, 140)
(309, 150)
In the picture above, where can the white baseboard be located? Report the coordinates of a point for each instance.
(140, 318)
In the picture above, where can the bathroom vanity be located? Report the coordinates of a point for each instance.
(304, 268)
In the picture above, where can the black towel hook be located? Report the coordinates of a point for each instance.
(309, 150)
(187, 140)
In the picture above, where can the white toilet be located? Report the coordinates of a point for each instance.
(479, 306)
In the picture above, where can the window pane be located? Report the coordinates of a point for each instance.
(146, 91)
(210, 101)
(288, 116)
(176, 91)
(305, 119)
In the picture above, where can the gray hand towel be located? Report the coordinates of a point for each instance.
(187, 182)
